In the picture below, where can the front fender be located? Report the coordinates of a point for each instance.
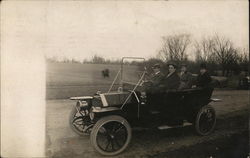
(81, 98)
(97, 112)
(106, 109)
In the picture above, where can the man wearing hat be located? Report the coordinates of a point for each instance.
(156, 78)
(186, 78)
(203, 79)
(171, 80)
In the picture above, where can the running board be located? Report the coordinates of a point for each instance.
(168, 127)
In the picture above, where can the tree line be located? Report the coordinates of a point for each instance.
(96, 59)
(219, 53)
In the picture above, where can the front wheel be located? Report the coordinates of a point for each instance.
(111, 135)
(205, 120)
(79, 123)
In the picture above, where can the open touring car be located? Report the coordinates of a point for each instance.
(109, 117)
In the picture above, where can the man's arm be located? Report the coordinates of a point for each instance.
(190, 80)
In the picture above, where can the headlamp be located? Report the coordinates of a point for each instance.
(81, 104)
(91, 115)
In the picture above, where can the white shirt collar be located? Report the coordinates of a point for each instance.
(157, 72)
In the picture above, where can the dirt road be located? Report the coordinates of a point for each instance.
(232, 114)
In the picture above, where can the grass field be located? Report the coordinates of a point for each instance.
(64, 80)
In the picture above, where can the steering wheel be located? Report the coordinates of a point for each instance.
(145, 82)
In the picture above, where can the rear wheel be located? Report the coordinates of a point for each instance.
(205, 120)
(111, 135)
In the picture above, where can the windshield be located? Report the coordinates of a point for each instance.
(131, 74)
(131, 70)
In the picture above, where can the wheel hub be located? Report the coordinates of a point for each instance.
(112, 136)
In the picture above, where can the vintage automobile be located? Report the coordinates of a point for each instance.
(109, 117)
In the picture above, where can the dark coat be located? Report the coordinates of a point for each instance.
(186, 80)
(171, 82)
(156, 79)
(203, 80)
(155, 83)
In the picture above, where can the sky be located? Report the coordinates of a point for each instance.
(113, 29)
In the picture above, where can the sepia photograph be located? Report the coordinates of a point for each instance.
(125, 79)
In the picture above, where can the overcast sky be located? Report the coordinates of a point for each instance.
(112, 29)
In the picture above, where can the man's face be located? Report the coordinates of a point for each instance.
(202, 70)
(156, 70)
(171, 68)
(183, 68)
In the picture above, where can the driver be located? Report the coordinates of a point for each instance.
(155, 81)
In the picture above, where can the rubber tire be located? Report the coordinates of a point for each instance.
(103, 121)
(71, 118)
(196, 123)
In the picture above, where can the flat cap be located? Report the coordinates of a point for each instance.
(172, 63)
(156, 66)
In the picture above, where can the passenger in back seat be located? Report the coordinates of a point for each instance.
(203, 79)
(171, 81)
(186, 78)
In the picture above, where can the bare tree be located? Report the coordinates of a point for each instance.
(174, 47)
(98, 59)
(232, 64)
(204, 50)
(220, 52)
(244, 60)
(225, 53)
